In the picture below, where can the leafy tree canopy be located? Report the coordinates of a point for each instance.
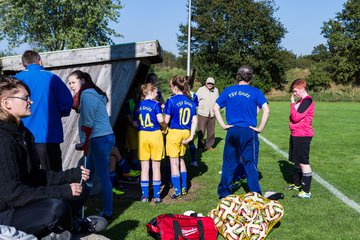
(343, 39)
(58, 24)
(169, 60)
(231, 33)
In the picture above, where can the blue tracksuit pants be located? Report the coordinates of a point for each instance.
(240, 142)
(240, 172)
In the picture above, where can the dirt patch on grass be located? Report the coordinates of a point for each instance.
(189, 197)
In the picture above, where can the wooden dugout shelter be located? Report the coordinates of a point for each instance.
(115, 69)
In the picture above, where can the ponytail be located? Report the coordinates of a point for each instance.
(145, 89)
(182, 84)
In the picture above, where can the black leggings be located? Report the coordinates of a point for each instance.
(41, 217)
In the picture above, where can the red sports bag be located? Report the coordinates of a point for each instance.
(181, 227)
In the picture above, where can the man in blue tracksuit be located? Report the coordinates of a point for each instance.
(241, 102)
(52, 100)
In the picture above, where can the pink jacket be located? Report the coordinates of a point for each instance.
(301, 122)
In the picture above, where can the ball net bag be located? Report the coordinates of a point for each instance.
(248, 216)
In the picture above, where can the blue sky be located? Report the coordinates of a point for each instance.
(143, 20)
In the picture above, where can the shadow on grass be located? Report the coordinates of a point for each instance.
(217, 141)
(286, 169)
(122, 229)
(120, 204)
(194, 172)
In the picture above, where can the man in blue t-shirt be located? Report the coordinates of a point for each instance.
(241, 102)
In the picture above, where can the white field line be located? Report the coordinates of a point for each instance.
(321, 181)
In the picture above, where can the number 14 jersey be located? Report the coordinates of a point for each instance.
(146, 113)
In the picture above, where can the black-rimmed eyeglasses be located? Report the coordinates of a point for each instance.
(26, 99)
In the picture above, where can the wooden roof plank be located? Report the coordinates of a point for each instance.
(56, 59)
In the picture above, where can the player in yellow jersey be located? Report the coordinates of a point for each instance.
(180, 115)
(149, 118)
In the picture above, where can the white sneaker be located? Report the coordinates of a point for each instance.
(304, 195)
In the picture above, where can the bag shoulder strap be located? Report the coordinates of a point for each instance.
(177, 230)
(201, 229)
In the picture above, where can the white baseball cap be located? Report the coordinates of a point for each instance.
(210, 80)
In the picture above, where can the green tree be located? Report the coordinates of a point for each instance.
(227, 34)
(319, 65)
(320, 53)
(60, 24)
(289, 59)
(304, 62)
(343, 39)
(319, 78)
(169, 60)
(181, 60)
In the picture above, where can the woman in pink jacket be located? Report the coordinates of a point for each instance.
(301, 116)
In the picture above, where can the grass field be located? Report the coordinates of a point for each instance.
(335, 156)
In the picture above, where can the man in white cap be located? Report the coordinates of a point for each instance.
(207, 96)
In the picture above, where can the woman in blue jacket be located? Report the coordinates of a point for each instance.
(90, 102)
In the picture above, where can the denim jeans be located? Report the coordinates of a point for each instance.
(98, 163)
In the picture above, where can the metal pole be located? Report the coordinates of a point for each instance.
(188, 45)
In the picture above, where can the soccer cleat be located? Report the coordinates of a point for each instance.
(184, 191)
(132, 173)
(176, 196)
(121, 187)
(157, 200)
(117, 192)
(144, 199)
(194, 164)
(236, 184)
(303, 194)
(129, 180)
(293, 187)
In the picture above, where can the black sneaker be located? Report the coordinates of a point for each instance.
(96, 223)
(176, 196)
(129, 180)
(65, 235)
(93, 224)
(157, 200)
(293, 187)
